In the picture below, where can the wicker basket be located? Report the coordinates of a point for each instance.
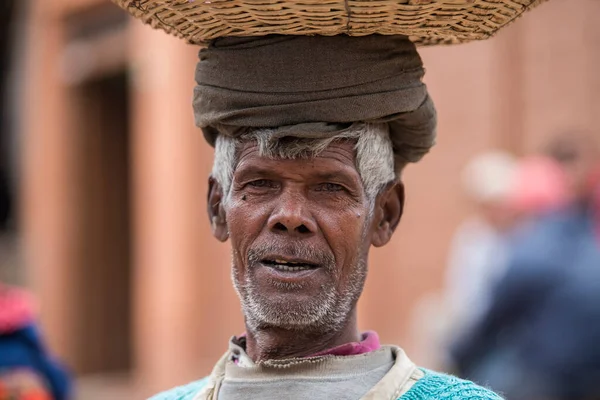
(427, 22)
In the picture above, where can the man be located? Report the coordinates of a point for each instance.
(301, 217)
(539, 337)
(302, 187)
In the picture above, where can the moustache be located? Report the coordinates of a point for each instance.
(322, 258)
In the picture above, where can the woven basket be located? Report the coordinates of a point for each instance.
(427, 22)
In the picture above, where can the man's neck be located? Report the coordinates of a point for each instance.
(277, 343)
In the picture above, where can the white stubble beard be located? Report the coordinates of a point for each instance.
(327, 312)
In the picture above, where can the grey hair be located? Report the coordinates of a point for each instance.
(374, 153)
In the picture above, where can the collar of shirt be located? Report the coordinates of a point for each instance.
(369, 342)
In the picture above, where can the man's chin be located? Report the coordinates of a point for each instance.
(304, 301)
(297, 313)
(298, 292)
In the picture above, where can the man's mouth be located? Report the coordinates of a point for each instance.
(284, 265)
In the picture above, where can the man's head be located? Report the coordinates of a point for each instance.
(301, 215)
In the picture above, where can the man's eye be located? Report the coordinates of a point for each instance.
(329, 187)
(262, 183)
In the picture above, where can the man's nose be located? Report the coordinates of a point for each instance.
(292, 216)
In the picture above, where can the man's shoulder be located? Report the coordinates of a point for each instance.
(185, 392)
(438, 386)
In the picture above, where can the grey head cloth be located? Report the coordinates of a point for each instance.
(315, 86)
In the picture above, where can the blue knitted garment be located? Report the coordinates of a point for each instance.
(433, 386)
(186, 392)
(436, 386)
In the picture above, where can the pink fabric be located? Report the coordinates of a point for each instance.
(540, 186)
(370, 342)
(16, 309)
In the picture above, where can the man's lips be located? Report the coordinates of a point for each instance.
(288, 264)
(290, 269)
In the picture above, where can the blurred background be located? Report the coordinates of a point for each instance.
(103, 180)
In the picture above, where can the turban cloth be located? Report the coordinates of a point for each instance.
(315, 86)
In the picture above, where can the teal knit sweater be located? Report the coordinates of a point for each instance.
(433, 386)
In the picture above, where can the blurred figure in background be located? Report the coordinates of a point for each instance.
(508, 193)
(539, 338)
(478, 250)
(26, 370)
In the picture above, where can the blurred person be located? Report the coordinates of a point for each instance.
(478, 250)
(508, 193)
(539, 338)
(518, 190)
(27, 372)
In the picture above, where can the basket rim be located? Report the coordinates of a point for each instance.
(425, 22)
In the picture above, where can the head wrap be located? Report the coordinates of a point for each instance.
(315, 86)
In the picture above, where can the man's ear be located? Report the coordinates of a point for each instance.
(389, 206)
(216, 211)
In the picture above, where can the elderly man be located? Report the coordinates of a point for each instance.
(309, 153)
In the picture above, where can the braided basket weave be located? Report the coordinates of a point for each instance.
(426, 22)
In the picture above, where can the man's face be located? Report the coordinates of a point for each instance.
(299, 230)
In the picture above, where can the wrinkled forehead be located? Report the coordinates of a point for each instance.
(335, 163)
(339, 153)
